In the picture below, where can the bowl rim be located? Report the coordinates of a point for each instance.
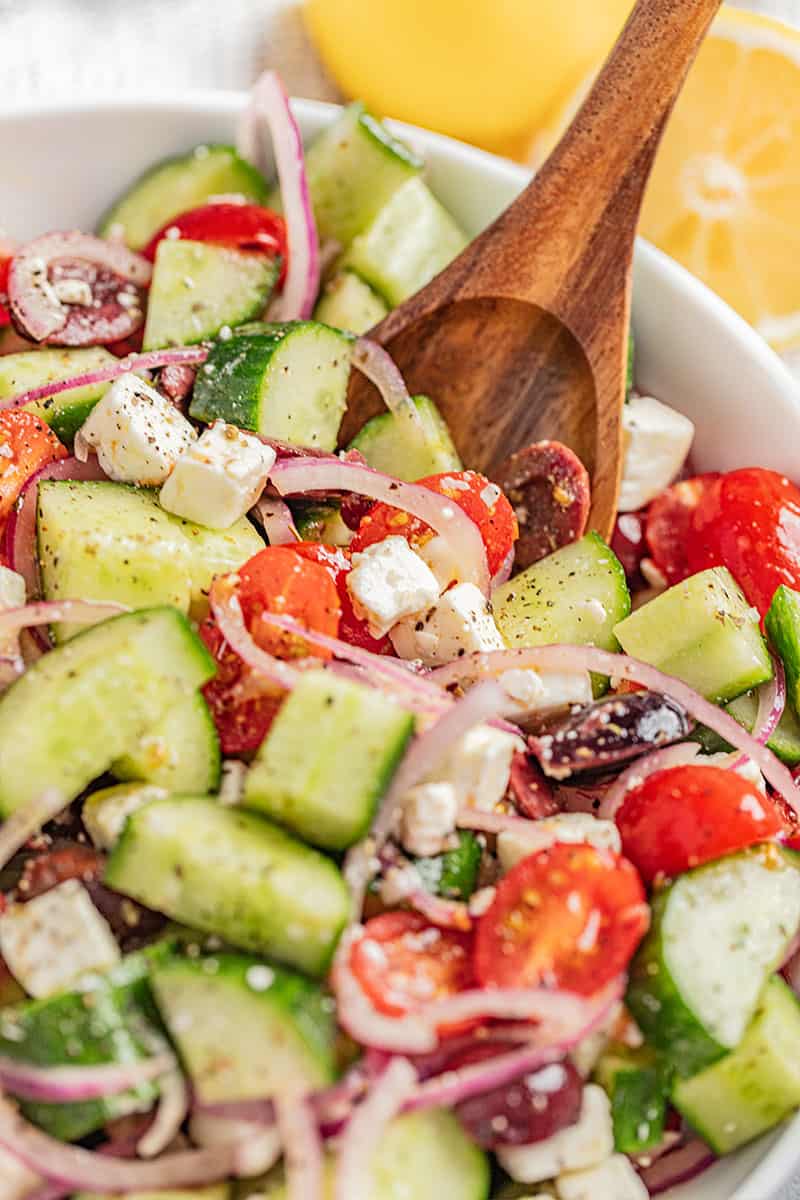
(781, 1157)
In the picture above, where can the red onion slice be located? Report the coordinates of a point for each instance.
(227, 613)
(380, 369)
(276, 521)
(115, 277)
(294, 477)
(447, 914)
(67, 1085)
(492, 822)
(622, 666)
(45, 612)
(771, 703)
(173, 1106)
(659, 760)
(302, 1147)
(28, 820)
(353, 1179)
(503, 573)
(271, 106)
(677, 1166)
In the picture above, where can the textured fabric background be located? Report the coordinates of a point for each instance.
(55, 48)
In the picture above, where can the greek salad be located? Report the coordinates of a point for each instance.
(371, 828)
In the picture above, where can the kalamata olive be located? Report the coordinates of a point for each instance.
(176, 381)
(610, 731)
(532, 794)
(627, 542)
(531, 1109)
(548, 488)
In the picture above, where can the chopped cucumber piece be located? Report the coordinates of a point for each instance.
(66, 411)
(702, 631)
(198, 288)
(326, 788)
(629, 377)
(274, 1025)
(105, 812)
(112, 541)
(234, 874)
(176, 185)
(118, 682)
(289, 383)
(180, 753)
(353, 167)
(349, 303)
(716, 935)
(756, 1085)
(785, 741)
(408, 451)
(321, 523)
(782, 624)
(637, 1085)
(454, 873)
(411, 239)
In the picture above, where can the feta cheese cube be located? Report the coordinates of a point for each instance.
(542, 692)
(216, 480)
(657, 440)
(564, 827)
(428, 818)
(52, 940)
(460, 623)
(479, 765)
(12, 595)
(615, 1179)
(137, 433)
(438, 553)
(17, 1182)
(585, 1144)
(388, 582)
(104, 814)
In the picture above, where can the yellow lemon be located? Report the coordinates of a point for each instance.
(486, 71)
(724, 196)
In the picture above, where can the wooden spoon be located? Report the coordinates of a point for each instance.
(524, 335)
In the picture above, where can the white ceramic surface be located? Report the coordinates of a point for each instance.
(62, 166)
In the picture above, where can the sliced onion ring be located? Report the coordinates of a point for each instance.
(276, 521)
(45, 612)
(302, 1147)
(294, 477)
(353, 1179)
(173, 1106)
(659, 760)
(67, 1085)
(771, 703)
(677, 1166)
(227, 612)
(373, 361)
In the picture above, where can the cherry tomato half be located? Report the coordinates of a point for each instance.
(26, 445)
(480, 500)
(242, 721)
(352, 629)
(239, 226)
(669, 524)
(684, 816)
(403, 963)
(569, 916)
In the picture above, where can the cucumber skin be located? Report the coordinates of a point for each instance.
(453, 874)
(406, 453)
(784, 743)
(782, 624)
(638, 1107)
(66, 411)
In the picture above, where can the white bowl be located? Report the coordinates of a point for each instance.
(63, 165)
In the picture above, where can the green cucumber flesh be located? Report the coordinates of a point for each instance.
(411, 239)
(113, 541)
(66, 411)
(353, 167)
(349, 303)
(326, 789)
(180, 752)
(785, 741)
(199, 288)
(289, 383)
(321, 523)
(638, 1086)
(407, 450)
(754, 1087)
(176, 185)
(716, 935)
(454, 873)
(702, 631)
(118, 680)
(275, 1026)
(233, 874)
(782, 624)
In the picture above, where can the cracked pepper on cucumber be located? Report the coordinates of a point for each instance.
(370, 827)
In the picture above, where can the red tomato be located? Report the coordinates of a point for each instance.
(569, 916)
(352, 629)
(5, 316)
(496, 519)
(240, 226)
(685, 816)
(403, 963)
(26, 445)
(72, 860)
(749, 522)
(669, 524)
(242, 723)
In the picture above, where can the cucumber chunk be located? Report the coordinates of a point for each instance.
(177, 184)
(321, 523)
(782, 624)
(274, 1025)
(234, 874)
(181, 751)
(785, 741)
(288, 383)
(394, 446)
(411, 239)
(66, 411)
(99, 697)
(454, 873)
(702, 631)
(756, 1085)
(198, 288)
(353, 167)
(113, 541)
(349, 303)
(717, 934)
(637, 1085)
(327, 760)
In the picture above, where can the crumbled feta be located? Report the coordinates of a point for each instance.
(428, 818)
(137, 433)
(216, 480)
(73, 291)
(55, 938)
(260, 1144)
(747, 769)
(657, 440)
(541, 692)
(17, 1182)
(399, 883)
(615, 1179)
(388, 582)
(585, 1144)
(478, 766)
(442, 559)
(105, 813)
(563, 827)
(459, 624)
(12, 595)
